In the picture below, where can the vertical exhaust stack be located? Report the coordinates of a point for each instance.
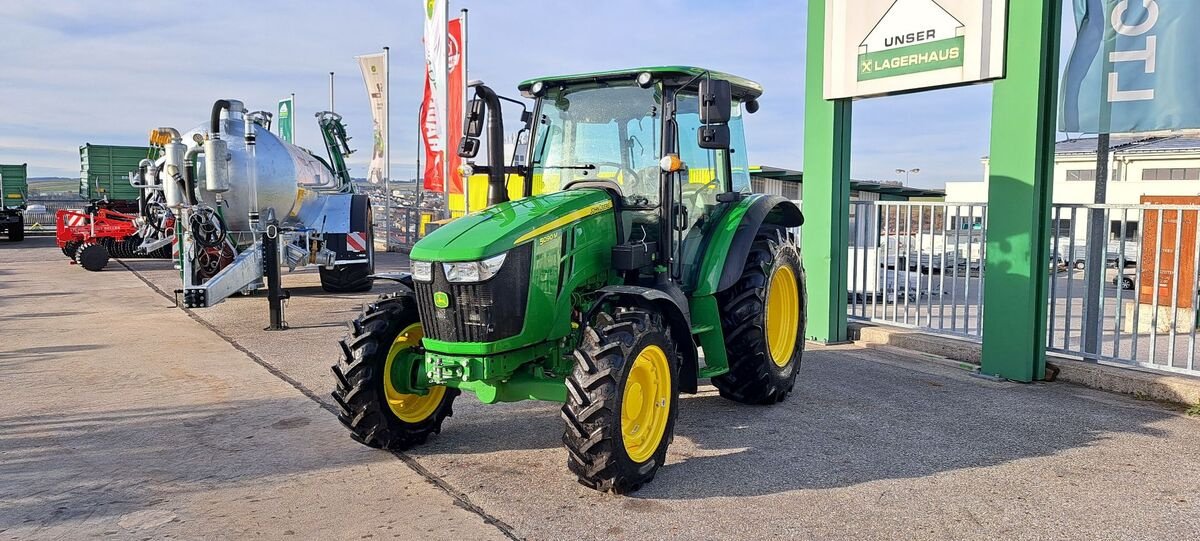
(497, 191)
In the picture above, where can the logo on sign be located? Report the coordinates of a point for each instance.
(913, 36)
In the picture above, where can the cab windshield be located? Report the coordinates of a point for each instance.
(604, 132)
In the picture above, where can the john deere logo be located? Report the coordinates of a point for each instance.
(441, 299)
(914, 36)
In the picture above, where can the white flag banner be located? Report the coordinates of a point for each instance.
(374, 70)
(435, 64)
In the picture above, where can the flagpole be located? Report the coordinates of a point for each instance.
(387, 146)
(445, 91)
(462, 59)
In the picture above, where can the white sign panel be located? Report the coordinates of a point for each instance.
(878, 47)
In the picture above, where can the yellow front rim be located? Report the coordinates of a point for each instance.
(410, 408)
(646, 403)
(783, 315)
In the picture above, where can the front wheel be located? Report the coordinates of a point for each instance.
(622, 398)
(379, 362)
(764, 316)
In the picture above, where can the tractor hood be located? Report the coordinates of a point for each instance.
(499, 228)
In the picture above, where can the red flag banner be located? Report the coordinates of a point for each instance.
(433, 145)
(455, 83)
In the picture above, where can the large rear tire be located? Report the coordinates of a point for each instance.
(354, 278)
(764, 316)
(622, 398)
(369, 402)
(16, 233)
(92, 256)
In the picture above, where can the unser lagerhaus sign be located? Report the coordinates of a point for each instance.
(880, 47)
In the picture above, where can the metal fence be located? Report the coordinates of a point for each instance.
(39, 213)
(1139, 305)
(917, 264)
(921, 265)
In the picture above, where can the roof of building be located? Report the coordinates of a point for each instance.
(1133, 144)
(791, 175)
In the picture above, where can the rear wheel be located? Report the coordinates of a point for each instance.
(92, 256)
(764, 315)
(379, 361)
(16, 233)
(622, 398)
(354, 278)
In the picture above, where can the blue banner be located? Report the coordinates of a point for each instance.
(1135, 67)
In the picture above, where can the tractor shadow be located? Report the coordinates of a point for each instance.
(850, 421)
(853, 420)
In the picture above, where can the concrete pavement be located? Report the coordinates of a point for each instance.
(125, 418)
(875, 443)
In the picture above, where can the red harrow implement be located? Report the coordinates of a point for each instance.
(91, 236)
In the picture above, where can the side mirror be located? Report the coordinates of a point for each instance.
(468, 147)
(714, 137)
(716, 101)
(474, 123)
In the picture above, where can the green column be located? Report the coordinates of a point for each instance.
(826, 191)
(1019, 195)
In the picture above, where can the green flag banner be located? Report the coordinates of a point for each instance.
(284, 119)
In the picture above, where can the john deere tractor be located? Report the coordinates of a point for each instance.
(634, 244)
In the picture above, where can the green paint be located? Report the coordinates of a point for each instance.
(720, 239)
(930, 56)
(495, 230)
(706, 323)
(1019, 195)
(826, 192)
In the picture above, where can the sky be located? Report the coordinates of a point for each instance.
(81, 71)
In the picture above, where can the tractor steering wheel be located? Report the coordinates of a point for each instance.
(633, 181)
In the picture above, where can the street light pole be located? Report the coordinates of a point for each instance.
(907, 173)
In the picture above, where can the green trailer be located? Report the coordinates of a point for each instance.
(14, 189)
(104, 171)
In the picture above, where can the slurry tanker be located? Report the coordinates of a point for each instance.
(247, 203)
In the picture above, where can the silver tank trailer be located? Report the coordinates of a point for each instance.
(287, 178)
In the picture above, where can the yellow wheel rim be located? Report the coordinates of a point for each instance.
(783, 315)
(646, 403)
(410, 408)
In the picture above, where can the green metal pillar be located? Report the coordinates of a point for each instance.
(1024, 117)
(826, 191)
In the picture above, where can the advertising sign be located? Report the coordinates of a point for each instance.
(433, 106)
(374, 70)
(284, 119)
(880, 47)
(1133, 68)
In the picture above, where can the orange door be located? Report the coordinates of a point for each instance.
(1178, 235)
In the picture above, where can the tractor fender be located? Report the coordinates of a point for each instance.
(674, 310)
(725, 256)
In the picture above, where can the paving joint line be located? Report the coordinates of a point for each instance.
(460, 499)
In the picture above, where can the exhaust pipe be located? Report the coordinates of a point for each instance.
(497, 191)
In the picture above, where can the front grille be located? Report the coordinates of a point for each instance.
(478, 312)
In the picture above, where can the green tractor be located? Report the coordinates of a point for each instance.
(634, 243)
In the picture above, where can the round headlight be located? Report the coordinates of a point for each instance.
(644, 79)
(537, 88)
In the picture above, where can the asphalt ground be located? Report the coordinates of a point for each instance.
(874, 443)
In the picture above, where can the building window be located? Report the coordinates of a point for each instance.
(1172, 173)
(1116, 232)
(1081, 175)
